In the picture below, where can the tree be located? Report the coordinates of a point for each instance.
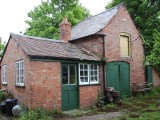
(146, 16)
(154, 56)
(45, 19)
(2, 46)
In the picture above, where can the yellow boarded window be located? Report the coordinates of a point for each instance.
(124, 46)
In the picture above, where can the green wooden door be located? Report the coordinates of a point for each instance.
(69, 87)
(149, 73)
(118, 76)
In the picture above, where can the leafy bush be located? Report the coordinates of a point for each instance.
(100, 98)
(1, 97)
(38, 114)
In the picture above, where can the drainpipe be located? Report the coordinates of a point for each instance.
(103, 61)
(103, 64)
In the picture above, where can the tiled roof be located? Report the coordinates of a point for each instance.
(48, 48)
(93, 24)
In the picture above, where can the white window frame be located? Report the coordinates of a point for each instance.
(3, 74)
(89, 74)
(80, 82)
(19, 73)
(97, 74)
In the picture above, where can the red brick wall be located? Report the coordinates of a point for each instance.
(12, 54)
(88, 95)
(45, 85)
(93, 44)
(122, 23)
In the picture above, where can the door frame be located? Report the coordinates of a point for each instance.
(78, 91)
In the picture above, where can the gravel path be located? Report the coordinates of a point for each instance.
(104, 116)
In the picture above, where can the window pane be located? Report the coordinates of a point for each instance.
(65, 74)
(81, 79)
(21, 79)
(85, 67)
(85, 73)
(72, 73)
(81, 67)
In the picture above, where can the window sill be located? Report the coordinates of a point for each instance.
(95, 84)
(4, 84)
(20, 86)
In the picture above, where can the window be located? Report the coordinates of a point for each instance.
(20, 73)
(3, 74)
(69, 74)
(125, 45)
(88, 74)
(84, 74)
(94, 70)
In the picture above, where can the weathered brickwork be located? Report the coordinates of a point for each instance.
(45, 85)
(14, 53)
(93, 44)
(88, 95)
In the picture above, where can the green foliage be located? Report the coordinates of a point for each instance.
(38, 114)
(146, 16)
(154, 56)
(2, 46)
(100, 99)
(1, 96)
(45, 19)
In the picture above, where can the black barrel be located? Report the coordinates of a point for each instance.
(10, 103)
(3, 107)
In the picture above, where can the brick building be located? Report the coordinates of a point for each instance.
(102, 51)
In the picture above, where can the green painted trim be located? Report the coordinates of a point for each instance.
(65, 61)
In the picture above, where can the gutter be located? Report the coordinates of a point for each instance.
(60, 58)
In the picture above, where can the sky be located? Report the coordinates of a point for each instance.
(13, 13)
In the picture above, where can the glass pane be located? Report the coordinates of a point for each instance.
(81, 79)
(81, 73)
(86, 73)
(85, 67)
(86, 79)
(91, 72)
(21, 79)
(81, 67)
(91, 67)
(72, 74)
(65, 74)
(95, 72)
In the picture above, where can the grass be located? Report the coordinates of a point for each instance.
(141, 107)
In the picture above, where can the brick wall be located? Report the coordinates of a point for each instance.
(45, 85)
(88, 95)
(12, 54)
(122, 23)
(93, 44)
